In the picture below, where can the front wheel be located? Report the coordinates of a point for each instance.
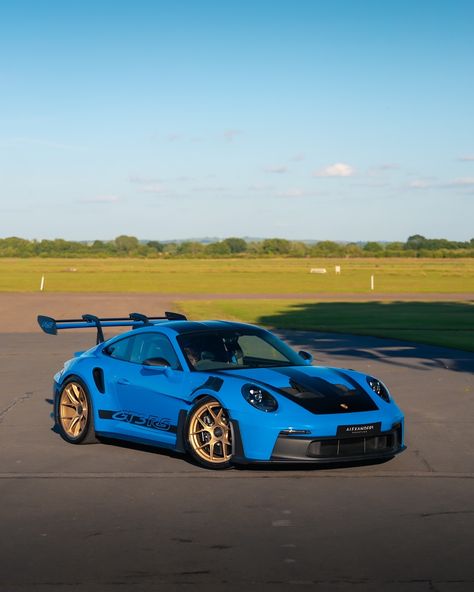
(74, 413)
(208, 434)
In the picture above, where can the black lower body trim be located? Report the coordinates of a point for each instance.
(180, 441)
(334, 450)
(238, 454)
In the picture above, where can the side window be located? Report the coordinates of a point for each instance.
(122, 350)
(153, 345)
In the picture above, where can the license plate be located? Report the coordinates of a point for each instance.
(363, 429)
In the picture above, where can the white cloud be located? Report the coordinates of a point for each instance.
(219, 188)
(462, 182)
(153, 188)
(278, 169)
(467, 158)
(420, 184)
(459, 183)
(102, 199)
(296, 192)
(338, 169)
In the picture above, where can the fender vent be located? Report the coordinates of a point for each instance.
(98, 375)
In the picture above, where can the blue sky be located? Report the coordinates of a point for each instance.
(304, 119)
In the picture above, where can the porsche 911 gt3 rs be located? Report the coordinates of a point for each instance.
(223, 392)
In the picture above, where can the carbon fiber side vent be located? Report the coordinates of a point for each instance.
(98, 375)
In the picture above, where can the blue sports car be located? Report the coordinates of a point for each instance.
(223, 392)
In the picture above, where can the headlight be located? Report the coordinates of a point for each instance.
(379, 388)
(259, 398)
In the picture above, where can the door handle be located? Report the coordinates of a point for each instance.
(123, 381)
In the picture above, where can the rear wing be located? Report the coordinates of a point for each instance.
(88, 321)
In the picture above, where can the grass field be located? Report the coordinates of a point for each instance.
(448, 324)
(238, 276)
(442, 323)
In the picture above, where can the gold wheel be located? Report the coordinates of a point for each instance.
(209, 434)
(73, 410)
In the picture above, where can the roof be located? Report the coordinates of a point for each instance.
(185, 327)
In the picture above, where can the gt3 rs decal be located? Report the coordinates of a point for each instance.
(146, 421)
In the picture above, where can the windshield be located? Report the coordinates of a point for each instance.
(235, 349)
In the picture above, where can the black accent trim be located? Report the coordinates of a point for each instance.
(175, 316)
(238, 453)
(337, 449)
(180, 442)
(98, 376)
(88, 318)
(51, 326)
(315, 394)
(47, 324)
(136, 316)
(319, 396)
(358, 430)
(156, 362)
(213, 383)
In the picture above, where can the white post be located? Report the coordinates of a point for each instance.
(42, 283)
(371, 282)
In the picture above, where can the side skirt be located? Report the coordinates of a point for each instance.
(135, 440)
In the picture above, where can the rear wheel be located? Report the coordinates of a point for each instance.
(208, 434)
(74, 413)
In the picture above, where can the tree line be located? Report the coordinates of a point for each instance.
(129, 246)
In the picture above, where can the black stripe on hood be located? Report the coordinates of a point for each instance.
(318, 395)
(321, 396)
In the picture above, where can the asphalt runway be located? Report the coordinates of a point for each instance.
(117, 517)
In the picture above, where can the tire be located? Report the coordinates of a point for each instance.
(208, 434)
(74, 415)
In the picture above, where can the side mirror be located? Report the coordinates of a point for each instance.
(156, 362)
(156, 366)
(306, 356)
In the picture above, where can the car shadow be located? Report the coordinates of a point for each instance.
(144, 448)
(309, 466)
(251, 467)
(266, 467)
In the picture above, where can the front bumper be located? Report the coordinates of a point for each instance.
(289, 448)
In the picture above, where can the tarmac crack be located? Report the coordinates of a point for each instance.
(14, 403)
(423, 460)
(446, 513)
